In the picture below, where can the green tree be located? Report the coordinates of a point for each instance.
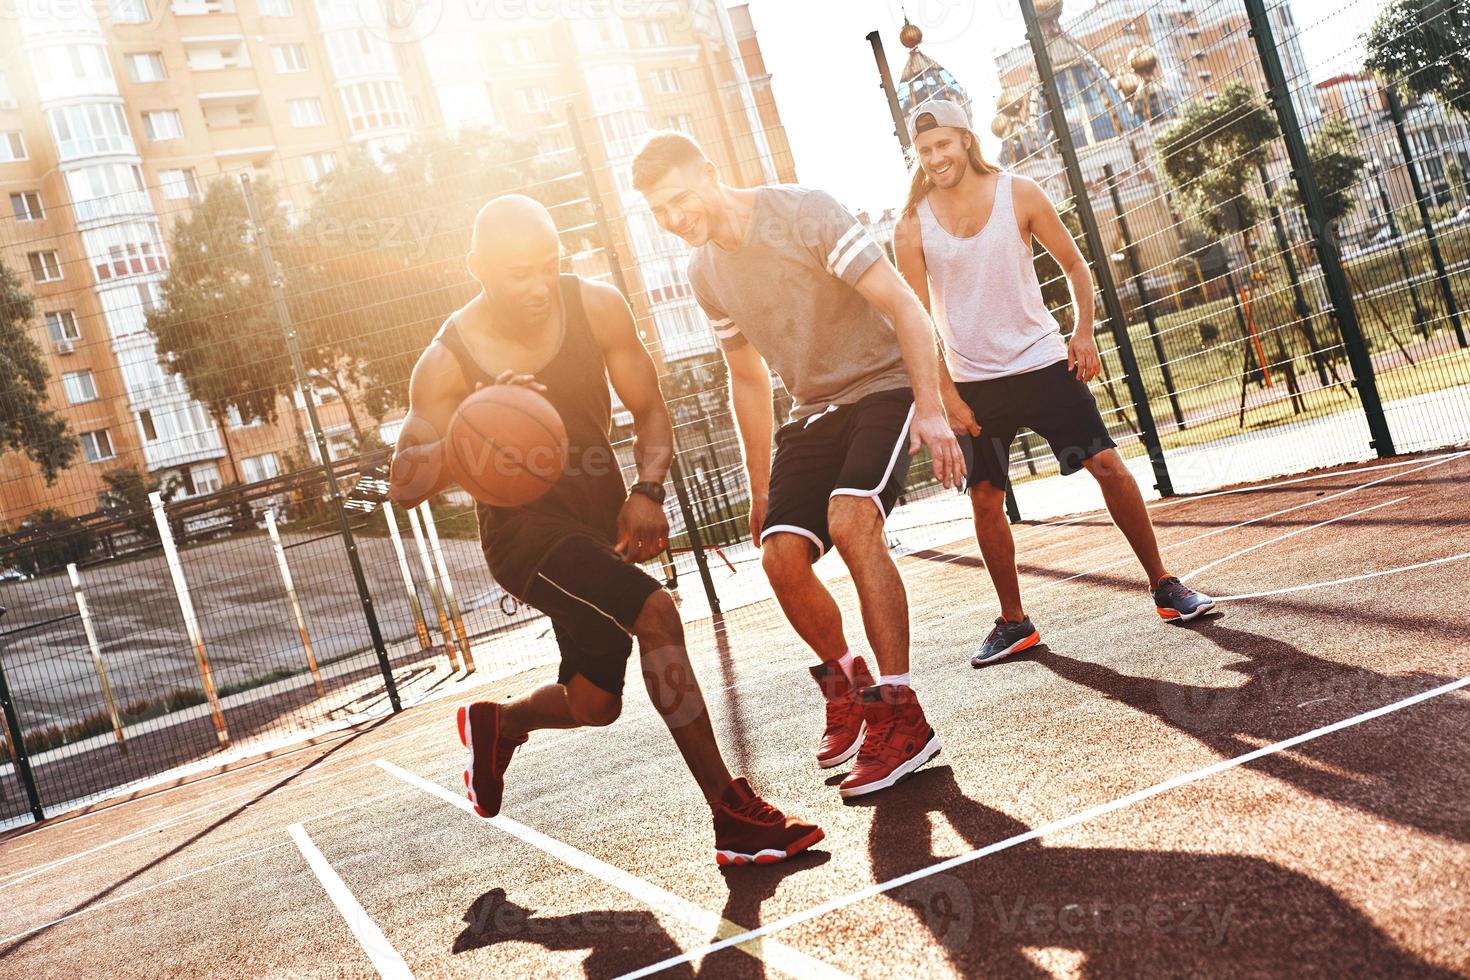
(1338, 168)
(1421, 44)
(216, 328)
(1455, 175)
(54, 538)
(27, 424)
(127, 492)
(1210, 155)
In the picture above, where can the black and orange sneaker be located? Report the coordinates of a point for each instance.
(479, 731)
(899, 740)
(844, 731)
(1006, 638)
(1178, 603)
(748, 830)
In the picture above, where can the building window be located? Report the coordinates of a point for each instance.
(649, 34)
(80, 387)
(97, 446)
(665, 81)
(374, 105)
(129, 11)
(27, 206)
(318, 165)
(146, 66)
(163, 124)
(62, 326)
(306, 113)
(262, 467)
(205, 477)
(105, 190)
(178, 185)
(90, 130)
(518, 51)
(125, 249)
(45, 266)
(12, 147)
(359, 52)
(682, 121)
(533, 99)
(145, 422)
(289, 57)
(275, 8)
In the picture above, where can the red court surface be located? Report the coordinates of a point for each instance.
(1282, 788)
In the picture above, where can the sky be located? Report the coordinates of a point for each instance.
(834, 111)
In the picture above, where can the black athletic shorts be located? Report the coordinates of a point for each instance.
(1050, 402)
(593, 598)
(859, 450)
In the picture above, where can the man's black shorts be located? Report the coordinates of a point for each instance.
(858, 450)
(593, 598)
(1050, 402)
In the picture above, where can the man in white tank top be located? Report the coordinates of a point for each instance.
(964, 245)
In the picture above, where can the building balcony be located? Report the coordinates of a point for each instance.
(181, 450)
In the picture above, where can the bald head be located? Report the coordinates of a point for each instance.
(515, 253)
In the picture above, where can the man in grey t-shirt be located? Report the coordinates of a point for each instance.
(791, 281)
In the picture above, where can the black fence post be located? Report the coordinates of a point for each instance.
(1396, 111)
(17, 741)
(283, 317)
(1061, 129)
(885, 77)
(676, 472)
(1323, 235)
(1144, 302)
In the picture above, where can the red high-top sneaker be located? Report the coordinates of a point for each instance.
(748, 830)
(899, 740)
(479, 731)
(844, 731)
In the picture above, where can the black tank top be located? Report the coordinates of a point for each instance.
(587, 498)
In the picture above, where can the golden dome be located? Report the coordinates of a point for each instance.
(1143, 60)
(909, 35)
(1048, 9)
(1000, 125)
(1128, 84)
(1012, 101)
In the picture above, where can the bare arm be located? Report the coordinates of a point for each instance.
(434, 392)
(643, 528)
(881, 286)
(908, 245)
(750, 397)
(1042, 221)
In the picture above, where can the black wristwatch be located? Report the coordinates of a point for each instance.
(653, 491)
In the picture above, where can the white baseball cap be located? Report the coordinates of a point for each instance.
(945, 113)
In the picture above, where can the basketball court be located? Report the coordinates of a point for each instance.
(1286, 782)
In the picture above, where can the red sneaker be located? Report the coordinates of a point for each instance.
(899, 740)
(844, 729)
(748, 830)
(479, 731)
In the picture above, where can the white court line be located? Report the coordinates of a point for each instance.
(1344, 581)
(1353, 471)
(255, 852)
(386, 960)
(775, 954)
(1174, 783)
(1289, 534)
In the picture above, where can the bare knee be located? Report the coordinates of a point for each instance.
(987, 499)
(658, 623)
(855, 523)
(1108, 465)
(593, 706)
(786, 558)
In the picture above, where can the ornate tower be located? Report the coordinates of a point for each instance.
(923, 77)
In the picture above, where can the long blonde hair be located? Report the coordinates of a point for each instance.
(920, 185)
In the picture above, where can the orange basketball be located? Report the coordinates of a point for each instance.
(506, 445)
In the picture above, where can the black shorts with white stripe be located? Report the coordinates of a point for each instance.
(593, 598)
(858, 450)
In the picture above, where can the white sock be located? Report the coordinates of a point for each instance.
(897, 680)
(848, 663)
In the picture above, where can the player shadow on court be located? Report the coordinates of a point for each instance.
(616, 940)
(750, 887)
(1286, 692)
(1032, 909)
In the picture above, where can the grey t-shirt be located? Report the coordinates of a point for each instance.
(788, 289)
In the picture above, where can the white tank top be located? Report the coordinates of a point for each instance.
(986, 298)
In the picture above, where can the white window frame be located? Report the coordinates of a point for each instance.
(306, 113)
(128, 11)
(179, 184)
(151, 130)
(289, 58)
(274, 8)
(317, 165)
(13, 147)
(92, 446)
(665, 81)
(27, 212)
(62, 327)
(80, 386)
(89, 129)
(153, 59)
(50, 271)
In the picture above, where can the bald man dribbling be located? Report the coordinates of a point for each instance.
(574, 553)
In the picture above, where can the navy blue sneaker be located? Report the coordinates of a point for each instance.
(1178, 603)
(1007, 638)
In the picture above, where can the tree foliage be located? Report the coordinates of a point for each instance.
(1422, 45)
(1337, 166)
(1210, 155)
(27, 424)
(127, 492)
